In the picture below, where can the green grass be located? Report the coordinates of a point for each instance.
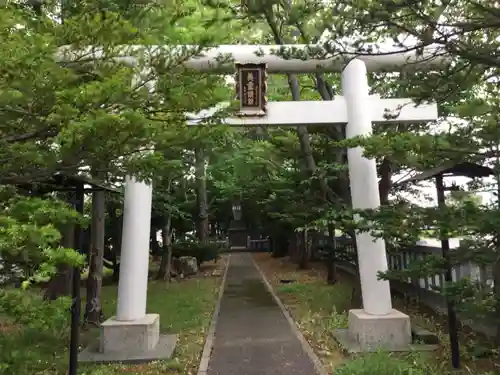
(40, 348)
(386, 364)
(319, 309)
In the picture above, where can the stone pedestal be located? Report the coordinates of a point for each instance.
(142, 334)
(370, 333)
(133, 341)
(374, 332)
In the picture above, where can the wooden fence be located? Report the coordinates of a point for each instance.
(402, 259)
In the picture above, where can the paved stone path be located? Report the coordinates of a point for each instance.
(252, 336)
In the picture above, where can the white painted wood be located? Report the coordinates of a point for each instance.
(210, 59)
(326, 112)
(372, 256)
(134, 258)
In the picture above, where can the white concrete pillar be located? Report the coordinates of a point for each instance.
(134, 259)
(364, 189)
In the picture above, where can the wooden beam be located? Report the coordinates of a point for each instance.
(328, 112)
(308, 58)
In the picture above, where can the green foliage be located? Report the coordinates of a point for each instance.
(32, 332)
(318, 299)
(31, 311)
(384, 364)
(30, 238)
(401, 225)
(37, 342)
(60, 116)
(74, 114)
(202, 252)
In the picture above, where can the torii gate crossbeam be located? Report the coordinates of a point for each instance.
(300, 58)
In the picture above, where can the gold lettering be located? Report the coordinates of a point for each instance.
(250, 97)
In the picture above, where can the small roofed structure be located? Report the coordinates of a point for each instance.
(464, 169)
(61, 181)
(450, 169)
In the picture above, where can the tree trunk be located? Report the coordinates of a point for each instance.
(280, 244)
(115, 277)
(496, 266)
(496, 293)
(385, 183)
(155, 246)
(117, 243)
(60, 284)
(331, 277)
(93, 310)
(305, 142)
(305, 255)
(295, 248)
(302, 132)
(165, 269)
(356, 295)
(201, 195)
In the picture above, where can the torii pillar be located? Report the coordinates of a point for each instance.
(377, 325)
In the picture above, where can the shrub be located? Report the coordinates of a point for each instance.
(202, 253)
(33, 332)
(31, 311)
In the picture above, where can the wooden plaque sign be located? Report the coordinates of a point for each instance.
(251, 89)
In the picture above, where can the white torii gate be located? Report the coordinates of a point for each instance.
(377, 325)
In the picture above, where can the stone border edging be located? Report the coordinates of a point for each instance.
(209, 341)
(318, 365)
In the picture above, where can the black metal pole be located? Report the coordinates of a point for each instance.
(445, 249)
(76, 303)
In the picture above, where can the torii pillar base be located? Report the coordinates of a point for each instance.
(136, 341)
(371, 333)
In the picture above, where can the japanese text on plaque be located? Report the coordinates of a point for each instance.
(250, 88)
